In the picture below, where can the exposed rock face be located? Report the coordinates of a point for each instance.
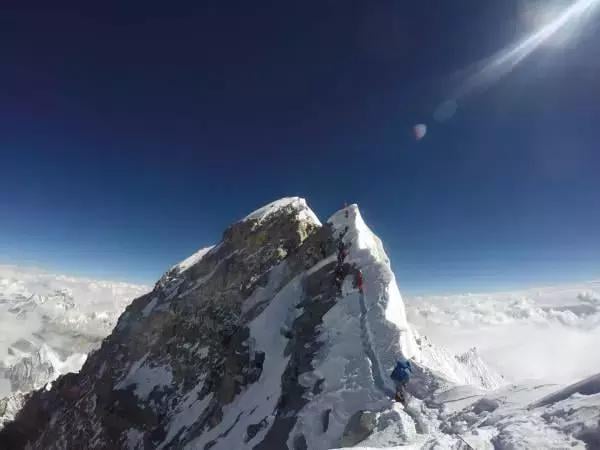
(10, 406)
(186, 340)
(261, 342)
(29, 373)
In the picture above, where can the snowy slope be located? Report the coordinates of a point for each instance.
(192, 259)
(524, 417)
(362, 337)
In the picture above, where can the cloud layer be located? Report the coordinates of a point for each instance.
(550, 333)
(55, 318)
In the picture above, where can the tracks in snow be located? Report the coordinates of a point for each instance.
(376, 369)
(368, 348)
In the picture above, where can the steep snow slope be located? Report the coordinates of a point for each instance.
(362, 337)
(191, 260)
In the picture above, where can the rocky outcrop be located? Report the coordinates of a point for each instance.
(29, 373)
(10, 406)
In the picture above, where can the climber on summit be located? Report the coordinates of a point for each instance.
(401, 375)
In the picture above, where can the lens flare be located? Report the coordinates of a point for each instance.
(507, 59)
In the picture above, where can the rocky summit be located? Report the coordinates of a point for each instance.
(282, 335)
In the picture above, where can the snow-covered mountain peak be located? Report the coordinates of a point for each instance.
(288, 205)
(357, 232)
(296, 204)
(265, 326)
(283, 335)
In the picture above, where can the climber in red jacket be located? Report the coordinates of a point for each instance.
(359, 280)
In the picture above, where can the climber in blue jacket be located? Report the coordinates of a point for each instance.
(400, 375)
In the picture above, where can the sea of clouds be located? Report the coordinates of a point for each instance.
(550, 334)
(62, 317)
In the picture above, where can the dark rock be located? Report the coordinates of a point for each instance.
(359, 427)
(255, 428)
(485, 405)
(325, 419)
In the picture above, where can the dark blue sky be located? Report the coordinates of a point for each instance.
(131, 135)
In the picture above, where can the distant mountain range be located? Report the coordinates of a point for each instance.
(50, 323)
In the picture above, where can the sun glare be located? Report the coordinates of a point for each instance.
(569, 21)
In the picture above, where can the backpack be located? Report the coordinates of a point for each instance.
(400, 372)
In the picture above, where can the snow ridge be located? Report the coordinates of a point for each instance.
(390, 332)
(374, 363)
(192, 259)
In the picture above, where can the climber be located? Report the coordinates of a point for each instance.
(359, 280)
(339, 278)
(342, 255)
(341, 252)
(341, 271)
(259, 360)
(400, 375)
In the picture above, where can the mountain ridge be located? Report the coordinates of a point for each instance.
(265, 341)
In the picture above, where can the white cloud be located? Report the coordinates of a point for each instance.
(59, 316)
(548, 333)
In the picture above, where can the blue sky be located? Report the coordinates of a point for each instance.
(132, 135)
